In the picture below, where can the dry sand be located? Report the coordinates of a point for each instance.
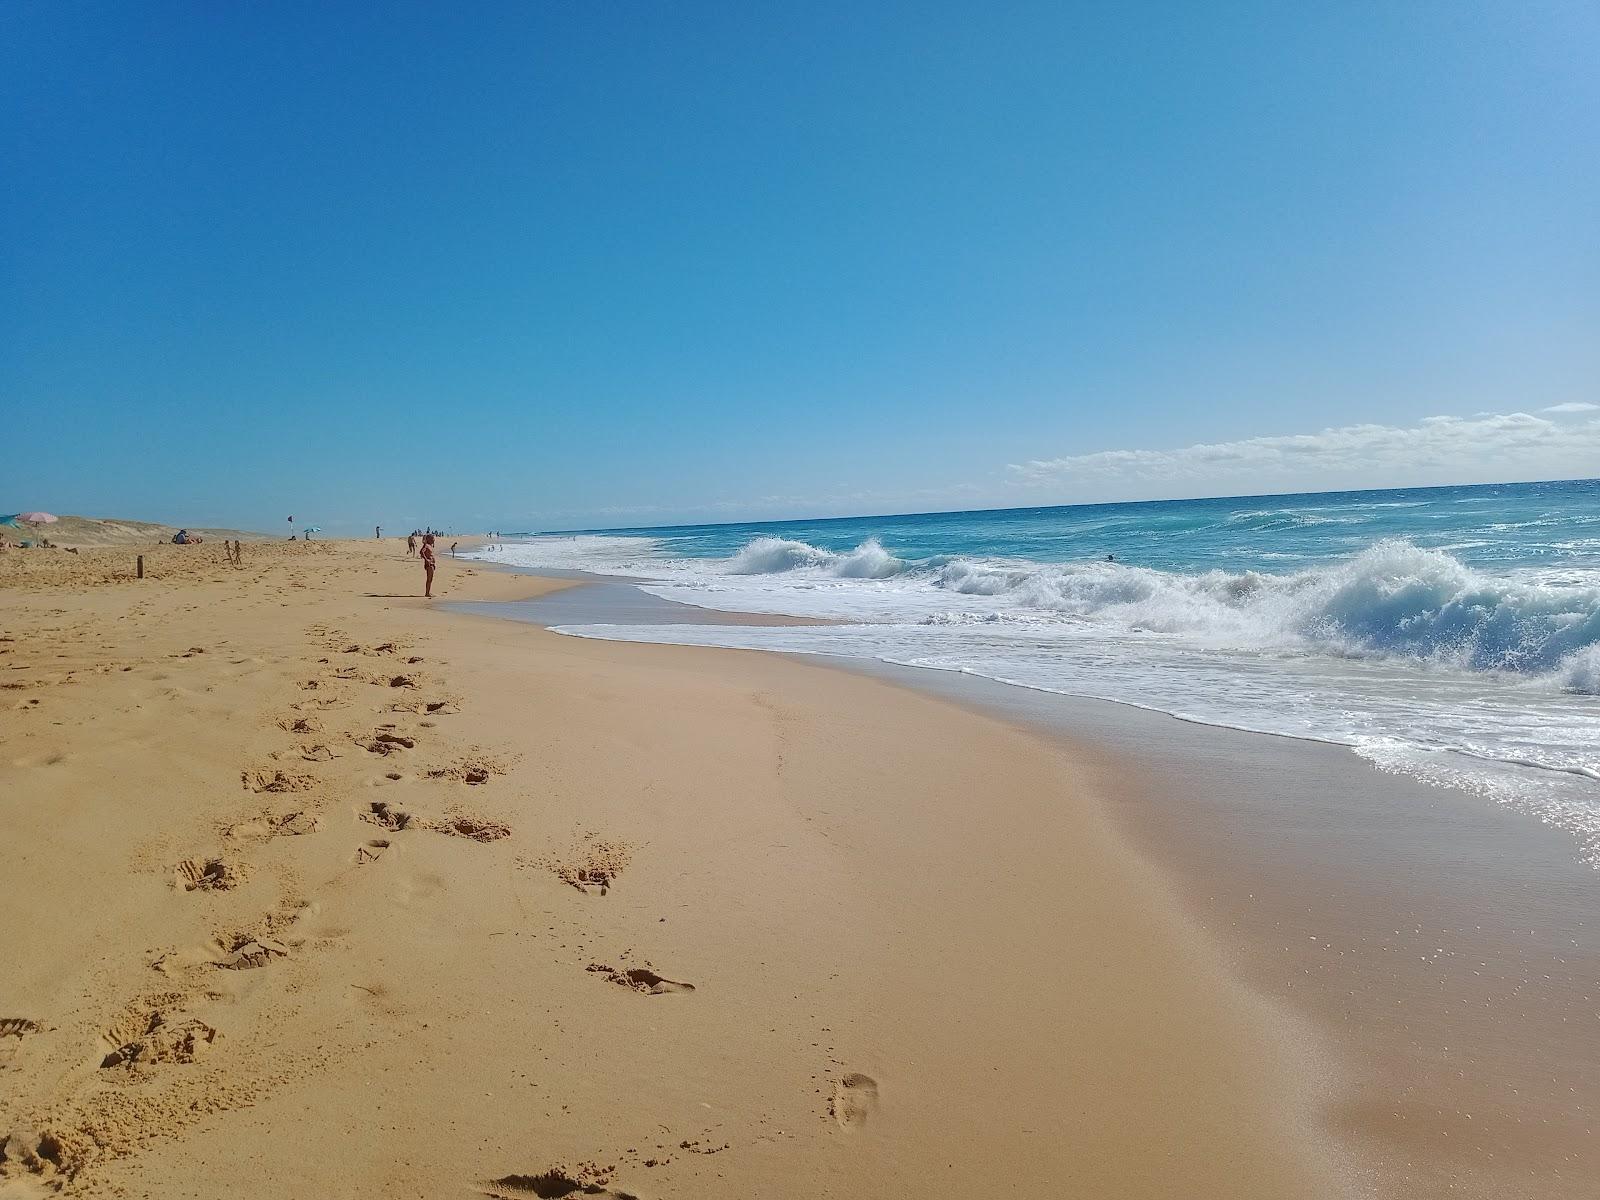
(312, 889)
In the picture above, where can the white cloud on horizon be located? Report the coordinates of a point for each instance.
(1492, 447)
(1572, 406)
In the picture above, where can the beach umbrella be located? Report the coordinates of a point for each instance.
(39, 518)
(313, 528)
(10, 520)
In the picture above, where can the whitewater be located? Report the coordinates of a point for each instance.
(1451, 634)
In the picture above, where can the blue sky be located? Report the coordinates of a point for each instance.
(561, 264)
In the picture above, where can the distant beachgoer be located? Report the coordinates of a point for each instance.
(453, 549)
(377, 531)
(181, 538)
(411, 544)
(427, 565)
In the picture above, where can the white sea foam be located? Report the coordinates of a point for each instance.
(1393, 600)
(1580, 671)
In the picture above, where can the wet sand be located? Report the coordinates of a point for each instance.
(1446, 946)
(1450, 947)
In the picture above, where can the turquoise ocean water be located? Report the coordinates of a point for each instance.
(1447, 633)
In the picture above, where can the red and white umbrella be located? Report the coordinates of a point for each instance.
(38, 518)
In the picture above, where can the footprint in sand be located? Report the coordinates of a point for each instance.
(471, 771)
(15, 1028)
(640, 979)
(465, 825)
(386, 742)
(208, 875)
(270, 825)
(45, 1154)
(357, 648)
(277, 781)
(320, 702)
(592, 866)
(382, 813)
(156, 1037)
(372, 851)
(246, 952)
(477, 829)
(854, 1098)
(430, 707)
(588, 1180)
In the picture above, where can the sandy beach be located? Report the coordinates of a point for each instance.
(316, 889)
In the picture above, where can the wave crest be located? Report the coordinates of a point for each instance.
(1392, 600)
(771, 556)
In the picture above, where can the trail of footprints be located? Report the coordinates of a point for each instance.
(158, 1030)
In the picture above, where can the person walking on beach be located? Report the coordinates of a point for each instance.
(428, 565)
(411, 544)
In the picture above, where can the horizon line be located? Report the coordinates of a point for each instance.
(952, 512)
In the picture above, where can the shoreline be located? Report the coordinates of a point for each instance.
(925, 958)
(1450, 1097)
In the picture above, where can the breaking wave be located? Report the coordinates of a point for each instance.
(1393, 599)
(770, 555)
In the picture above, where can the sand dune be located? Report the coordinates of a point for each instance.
(104, 531)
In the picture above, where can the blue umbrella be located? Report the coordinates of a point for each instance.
(11, 520)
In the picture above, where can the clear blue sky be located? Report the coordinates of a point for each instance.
(556, 264)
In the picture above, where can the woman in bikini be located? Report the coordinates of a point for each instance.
(428, 564)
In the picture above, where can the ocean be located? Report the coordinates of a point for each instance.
(1451, 634)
